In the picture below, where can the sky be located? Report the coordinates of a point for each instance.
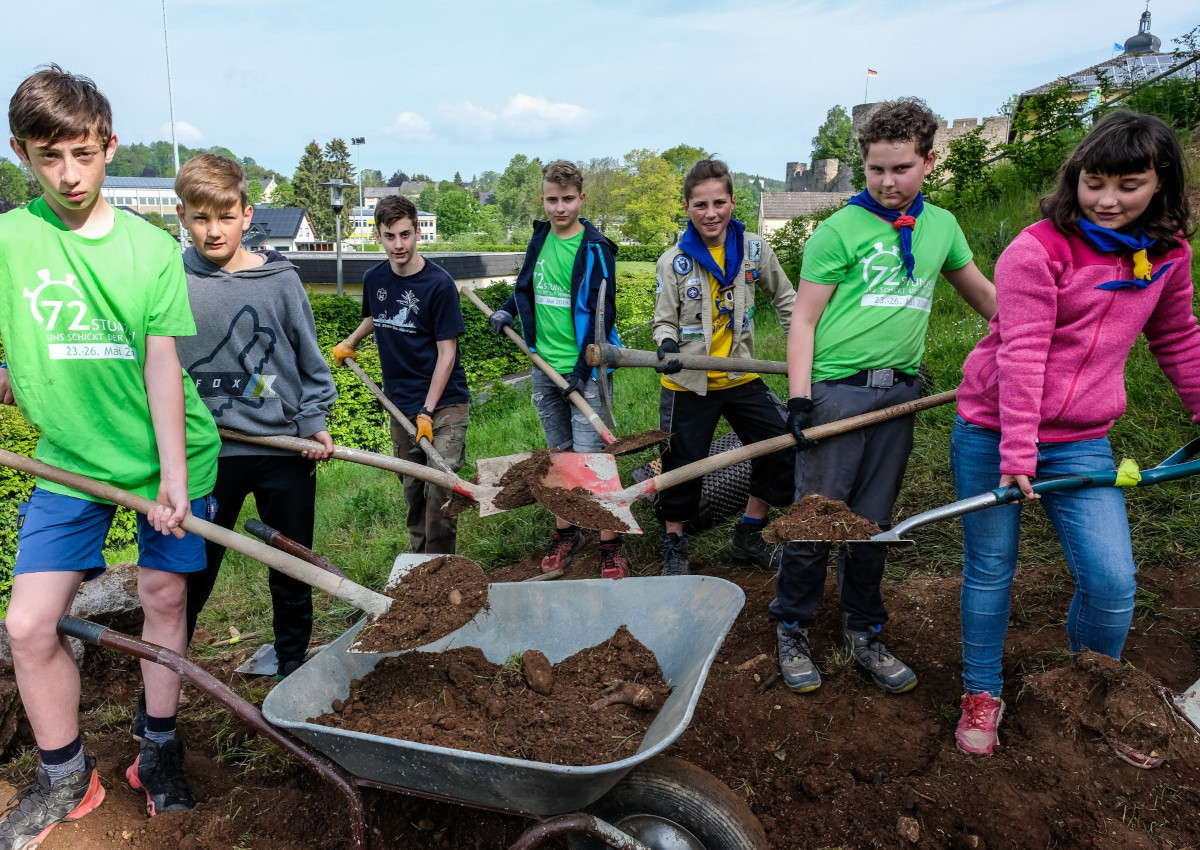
(442, 86)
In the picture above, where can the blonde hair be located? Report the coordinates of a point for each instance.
(211, 182)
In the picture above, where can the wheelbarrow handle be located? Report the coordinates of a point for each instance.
(614, 357)
(342, 588)
(576, 398)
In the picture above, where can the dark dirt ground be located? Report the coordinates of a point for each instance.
(837, 768)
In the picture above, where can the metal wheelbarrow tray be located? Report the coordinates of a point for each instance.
(682, 620)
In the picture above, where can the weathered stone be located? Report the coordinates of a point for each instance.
(538, 672)
(909, 829)
(112, 600)
(10, 712)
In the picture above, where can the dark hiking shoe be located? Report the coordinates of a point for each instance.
(286, 668)
(614, 563)
(674, 554)
(138, 728)
(887, 671)
(748, 546)
(158, 770)
(563, 546)
(37, 808)
(795, 659)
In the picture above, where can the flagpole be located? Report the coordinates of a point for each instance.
(866, 86)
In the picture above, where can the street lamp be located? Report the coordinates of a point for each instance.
(358, 142)
(336, 187)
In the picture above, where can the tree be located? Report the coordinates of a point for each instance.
(652, 198)
(602, 180)
(12, 183)
(682, 157)
(457, 212)
(284, 197)
(835, 138)
(397, 178)
(254, 192)
(429, 199)
(338, 164)
(519, 191)
(371, 177)
(307, 192)
(458, 181)
(160, 222)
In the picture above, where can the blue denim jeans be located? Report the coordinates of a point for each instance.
(1092, 526)
(565, 427)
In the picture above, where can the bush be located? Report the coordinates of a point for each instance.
(640, 253)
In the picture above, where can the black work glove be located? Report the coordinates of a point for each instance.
(500, 320)
(574, 384)
(669, 367)
(799, 418)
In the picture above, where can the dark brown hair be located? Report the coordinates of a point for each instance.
(706, 169)
(908, 119)
(52, 105)
(211, 183)
(563, 173)
(1125, 142)
(391, 209)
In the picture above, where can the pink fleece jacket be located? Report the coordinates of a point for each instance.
(1052, 367)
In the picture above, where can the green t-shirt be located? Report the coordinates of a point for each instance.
(554, 318)
(876, 318)
(74, 316)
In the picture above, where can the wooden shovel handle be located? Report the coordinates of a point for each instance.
(576, 399)
(616, 357)
(342, 588)
(786, 441)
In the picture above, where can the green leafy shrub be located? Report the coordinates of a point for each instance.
(640, 253)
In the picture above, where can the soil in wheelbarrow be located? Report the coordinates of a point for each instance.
(432, 600)
(815, 517)
(591, 708)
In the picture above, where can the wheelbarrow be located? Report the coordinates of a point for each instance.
(643, 802)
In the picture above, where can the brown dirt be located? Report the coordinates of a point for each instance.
(816, 518)
(430, 602)
(458, 504)
(637, 442)
(460, 699)
(516, 481)
(837, 768)
(577, 505)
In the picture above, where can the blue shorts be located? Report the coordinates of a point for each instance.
(57, 533)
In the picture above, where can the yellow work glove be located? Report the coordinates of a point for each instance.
(424, 427)
(341, 351)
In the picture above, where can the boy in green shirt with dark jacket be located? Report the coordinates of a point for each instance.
(555, 298)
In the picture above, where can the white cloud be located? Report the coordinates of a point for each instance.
(410, 127)
(533, 117)
(185, 133)
(467, 120)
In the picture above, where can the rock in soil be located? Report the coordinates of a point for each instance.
(426, 697)
(816, 518)
(539, 673)
(430, 601)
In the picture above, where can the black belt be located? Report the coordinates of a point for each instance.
(878, 378)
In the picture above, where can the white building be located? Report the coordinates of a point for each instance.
(362, 225)
(287, 229)
(775, 209)
(143, 195)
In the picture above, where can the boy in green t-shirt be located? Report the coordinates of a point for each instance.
(91, 301)
(555, 298)
(857, 337)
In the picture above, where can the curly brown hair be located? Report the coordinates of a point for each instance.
(907, 119)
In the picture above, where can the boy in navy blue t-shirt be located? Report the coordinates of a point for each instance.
(412, 308)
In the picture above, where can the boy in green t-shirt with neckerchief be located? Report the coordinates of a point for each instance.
(91, 301)
(857, 337)
(555, 298)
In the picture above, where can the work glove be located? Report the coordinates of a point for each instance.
(341, 351)
(574, 384)
(669, 367)
(500, 320)
(424, 426)
(799, 418)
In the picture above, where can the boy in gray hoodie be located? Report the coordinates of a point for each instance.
(258, 368)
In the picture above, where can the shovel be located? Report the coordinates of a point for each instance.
(614, 357)
(1181, 464)
(614, 503)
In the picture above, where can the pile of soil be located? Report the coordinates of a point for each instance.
(432, 600)
(815, 517)
(457, 504)
(578, 506)
(637, 442)
(530, 710)
(515, 483)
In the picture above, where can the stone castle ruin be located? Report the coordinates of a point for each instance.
(829, 175)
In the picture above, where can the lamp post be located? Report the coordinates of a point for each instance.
(336, 200)
(358, 142)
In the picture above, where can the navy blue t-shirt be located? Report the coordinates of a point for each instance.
(411, 314)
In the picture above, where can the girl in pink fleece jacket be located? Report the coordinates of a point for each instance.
(1042, 389)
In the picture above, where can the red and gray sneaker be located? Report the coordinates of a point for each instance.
(37, 808)
(978, 730)
(614, 563)
(563, 546)
(158, 770)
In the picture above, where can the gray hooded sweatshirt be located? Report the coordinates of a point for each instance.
(255, 359)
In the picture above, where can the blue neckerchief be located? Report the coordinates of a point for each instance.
(1116, 242)
(863, 199)
(735, 250)
(1134, 283)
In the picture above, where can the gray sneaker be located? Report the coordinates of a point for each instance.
(887, 671)
(674, 554)
(795, 659)
(748, 546)
(37, 808)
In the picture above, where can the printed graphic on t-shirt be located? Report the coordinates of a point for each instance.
(548, 292)
(236, 369)
(73, 329)
(887, 281)
(407, 307)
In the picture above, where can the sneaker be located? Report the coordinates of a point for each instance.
(286, 668)
(1129, 755)
(158, 770)
(35, 809)
(748, 546)
(887, 671)
(795, 660)
(614, 563)
(674, 554)
(978, 727)
(563, 546)
(138, 728)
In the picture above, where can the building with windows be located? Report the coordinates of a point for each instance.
(362, 225)
(143, 195)
(284, 230)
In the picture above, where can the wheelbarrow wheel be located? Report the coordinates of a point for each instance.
(666, 802)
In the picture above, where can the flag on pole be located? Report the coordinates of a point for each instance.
(871, 73)
(1118, 46)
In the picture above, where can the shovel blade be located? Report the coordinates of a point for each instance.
(597, 474)
(488, 472)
